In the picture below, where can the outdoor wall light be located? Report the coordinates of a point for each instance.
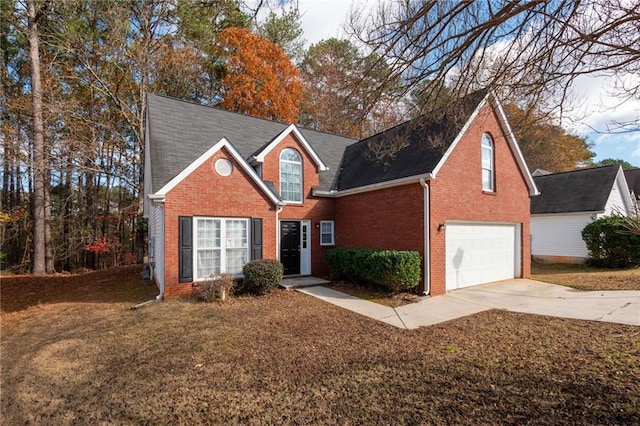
(317, 224)
(442, 227)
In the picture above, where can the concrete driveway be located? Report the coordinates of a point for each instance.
(518, 295)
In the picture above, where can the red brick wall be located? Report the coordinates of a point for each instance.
(389, 218)
(205, 193)
(393, 217)
(456, 193)
(312, 208)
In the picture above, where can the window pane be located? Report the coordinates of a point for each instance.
(290, 175)
(487, 180)
(236, 258)
(208, 263)
(208, 233)
(487, 158)
(326, 232)
(236, 231)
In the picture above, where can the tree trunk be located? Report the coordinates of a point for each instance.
(48, 239)
(39, 163)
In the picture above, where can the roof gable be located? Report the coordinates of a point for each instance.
(223, 143)
(424, 147)
(292, 129)
(585, 190)
(179, 132)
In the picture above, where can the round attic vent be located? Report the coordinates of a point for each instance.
(223, 167)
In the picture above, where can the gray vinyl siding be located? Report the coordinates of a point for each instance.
(156, 243)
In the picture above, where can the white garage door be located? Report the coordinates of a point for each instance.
(478, 253)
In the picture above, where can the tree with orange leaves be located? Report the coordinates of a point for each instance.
(258, 78)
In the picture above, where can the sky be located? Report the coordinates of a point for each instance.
(594, 108)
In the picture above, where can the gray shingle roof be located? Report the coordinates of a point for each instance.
(180, 132)
(585, 190)
(423, 141)
(633, 181)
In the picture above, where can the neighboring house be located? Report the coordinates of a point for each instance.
(633, 182)
(223, 188)
(567, 203)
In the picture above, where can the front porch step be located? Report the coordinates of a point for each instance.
(302, 282)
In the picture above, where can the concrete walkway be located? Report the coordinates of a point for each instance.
(519, 295)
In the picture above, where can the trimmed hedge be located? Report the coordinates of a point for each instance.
(393, 269)
(261, 276)
(611, 244)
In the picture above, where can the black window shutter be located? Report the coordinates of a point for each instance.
(256, 238)
(185, 242)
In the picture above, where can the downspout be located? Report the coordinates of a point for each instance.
(427, 257)
(278, 211)
(160, 296)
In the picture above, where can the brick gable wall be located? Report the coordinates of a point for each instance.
(456, 193)
(205, 193)
(314, 209)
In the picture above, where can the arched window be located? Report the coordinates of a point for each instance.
(291, 175)
(488, 176)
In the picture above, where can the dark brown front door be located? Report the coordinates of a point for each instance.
(290, 247)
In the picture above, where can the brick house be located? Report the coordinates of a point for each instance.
(223, 188)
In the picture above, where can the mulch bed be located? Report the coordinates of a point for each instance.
(374, 294)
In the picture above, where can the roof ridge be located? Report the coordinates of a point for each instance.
(217, 108)
(424, 115)
(577, 170)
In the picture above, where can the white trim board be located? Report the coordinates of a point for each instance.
(301, 139)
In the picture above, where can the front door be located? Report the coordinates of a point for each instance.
(290, 247)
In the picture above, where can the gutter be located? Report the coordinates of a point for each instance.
(427, 221)
(372, 187)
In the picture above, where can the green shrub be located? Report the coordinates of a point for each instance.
(393, 269)
(211, 289)
(610, 244)
(260, 276)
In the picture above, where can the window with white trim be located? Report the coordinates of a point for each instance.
(327, 233)
(291, 175)
(488, 179)
(221, 246)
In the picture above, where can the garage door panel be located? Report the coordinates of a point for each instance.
(479, 253)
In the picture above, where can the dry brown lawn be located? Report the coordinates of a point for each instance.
(586, 278)
(287, 358)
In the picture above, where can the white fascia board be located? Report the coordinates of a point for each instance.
(222, 143)
(303, 141)
(374, 186)
(626, 192)
(511, 140)
(513, 143)
(464, 129)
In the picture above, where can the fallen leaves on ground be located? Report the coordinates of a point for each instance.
(287, 358)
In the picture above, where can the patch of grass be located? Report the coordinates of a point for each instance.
(287, 358)
(119, 284)
(585, 277)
